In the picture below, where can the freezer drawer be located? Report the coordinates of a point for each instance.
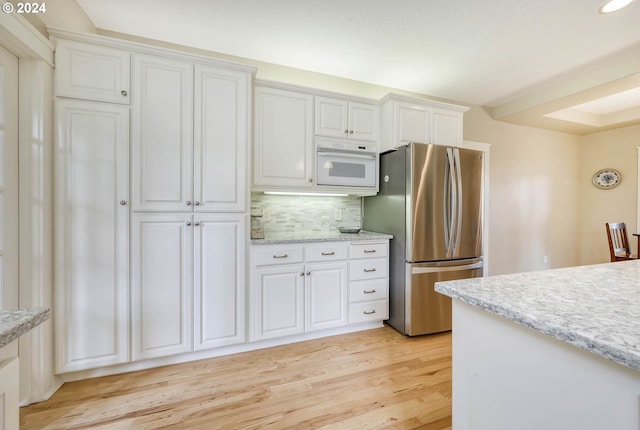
(428, 311)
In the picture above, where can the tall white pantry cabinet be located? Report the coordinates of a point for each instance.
(151, 202)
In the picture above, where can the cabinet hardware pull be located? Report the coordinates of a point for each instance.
(188, 223)
(310, 179)
(197, 203)
(369, 251)
(196, 224)
(370, 270)
(308, 273)
(188, 202)
(369, 312)
(280, 256)
(123, 202)
(350, 131)
(346, 131)
(301, 273)
(123, 92)
(369, 291)
(329, 253)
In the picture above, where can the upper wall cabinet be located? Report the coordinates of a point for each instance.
(91, 72)
(407, 120)
(283, 143)
(346, 119)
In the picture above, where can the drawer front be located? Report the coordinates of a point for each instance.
(278, 255)
(360, 291)
(368, 269)
(368, 311)
(328, 252)
(369, 250)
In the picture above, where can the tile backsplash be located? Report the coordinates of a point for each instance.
(295, 214)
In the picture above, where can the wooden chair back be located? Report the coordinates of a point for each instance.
(618, 242)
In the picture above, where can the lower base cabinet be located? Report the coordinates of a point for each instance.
(302, 288)
(187, 282)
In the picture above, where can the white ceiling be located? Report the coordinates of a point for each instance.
(525, 60)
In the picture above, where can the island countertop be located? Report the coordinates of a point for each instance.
(311, 236)
(596, 308)
(15, 323)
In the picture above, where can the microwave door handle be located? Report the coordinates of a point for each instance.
(342, 154)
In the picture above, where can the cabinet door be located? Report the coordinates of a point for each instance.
(220, 139)
(283, 144)
(162, 134)
(92, 234)
(446, 127)
(413, 123)
(364, 123)
(162, 279)
(92, 72)
(278, 301)
(219, 279)
(326, 303)
(331, 117)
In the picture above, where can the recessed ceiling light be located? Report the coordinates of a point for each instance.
(614, 5)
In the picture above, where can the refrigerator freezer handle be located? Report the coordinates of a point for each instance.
(451, 203)
(435, 269)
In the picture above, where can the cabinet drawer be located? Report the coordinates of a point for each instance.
(275, 256)
(368, 250)
(368, 311)
(368, 269)
(328, 252)
(368, 290)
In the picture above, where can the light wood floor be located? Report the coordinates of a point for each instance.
(375, 379)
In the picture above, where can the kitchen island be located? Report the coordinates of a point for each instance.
(555, 349)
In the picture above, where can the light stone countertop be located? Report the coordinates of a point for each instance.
(311, 236)
(595, 307)
(15, 323)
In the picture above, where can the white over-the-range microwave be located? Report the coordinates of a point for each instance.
(347, 164)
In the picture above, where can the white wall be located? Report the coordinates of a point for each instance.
(609, 149)
(534, 194)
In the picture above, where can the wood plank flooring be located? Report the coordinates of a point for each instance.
(375, 379)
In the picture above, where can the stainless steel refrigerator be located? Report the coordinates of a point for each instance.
(431, 201)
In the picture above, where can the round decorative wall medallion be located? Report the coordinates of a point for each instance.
(606, 178)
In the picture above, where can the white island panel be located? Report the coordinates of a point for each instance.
(506, 377)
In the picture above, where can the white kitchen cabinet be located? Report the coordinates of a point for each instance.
(188, 282)
(9, 394)
(221, 124)
(298, 288)
(219, 280)
(162, 134)
(87, 71)
(406, 119)
(368, 282)
(346, 119)
(283, 139)
(277, 301)
(162, 284)
(91, 234)
(326, 295)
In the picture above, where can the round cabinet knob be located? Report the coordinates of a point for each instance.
(123, 92)
(301, 273)
(197, 203)
(346, 132)
(123, 202)
(310, 179)
(196, 223)
(350, 131)
(189, 223)
(308, 273)
(188, 202)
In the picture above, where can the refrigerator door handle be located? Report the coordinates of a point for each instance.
(434, 269)
(450, 203)
(458, 190)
